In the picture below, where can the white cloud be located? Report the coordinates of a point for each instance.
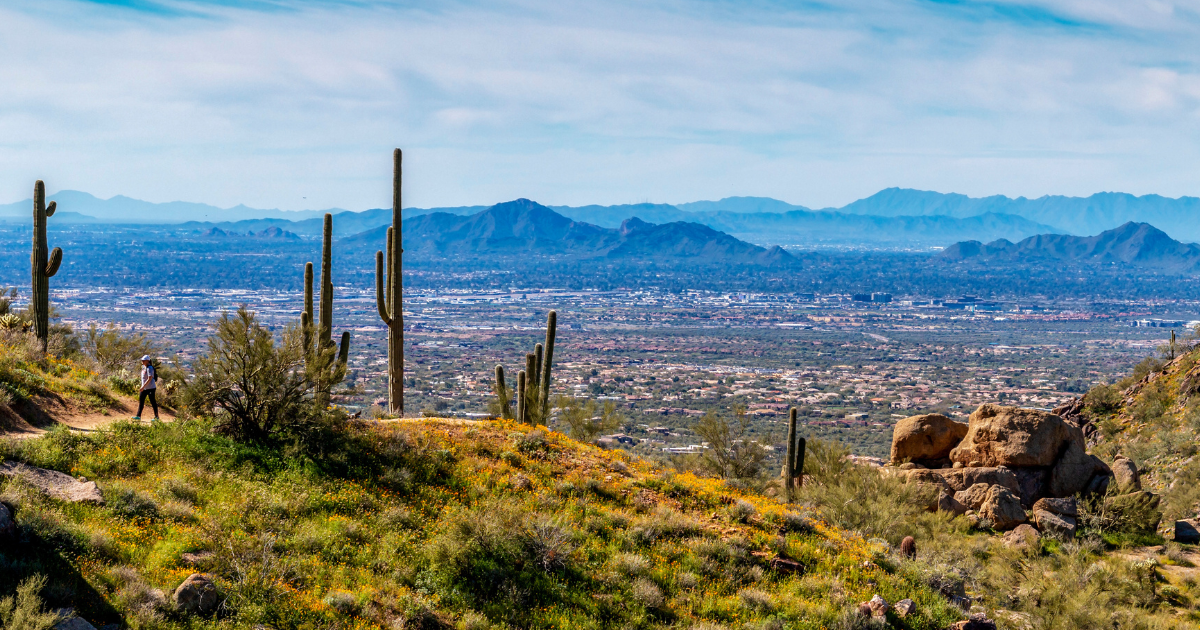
(574, 102)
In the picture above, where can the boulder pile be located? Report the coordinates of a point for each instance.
(1005, 465)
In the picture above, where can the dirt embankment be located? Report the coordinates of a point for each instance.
(30, 418)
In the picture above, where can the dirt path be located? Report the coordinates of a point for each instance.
(76, 419)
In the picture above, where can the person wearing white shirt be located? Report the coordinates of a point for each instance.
(149, 376)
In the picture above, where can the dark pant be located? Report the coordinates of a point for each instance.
(147, 393)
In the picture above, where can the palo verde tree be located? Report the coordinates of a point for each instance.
(256, 387)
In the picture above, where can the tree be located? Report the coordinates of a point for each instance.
(730, 453)
(113, 350)
(257, 387)
(586, 419)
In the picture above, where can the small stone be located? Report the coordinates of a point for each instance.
(197, 595)
(520, 482)
(864, 609)
(879, 606)
(957, 465)
(196, 559)
(1187, 531)
(8, 525)
(905, 607)
(910, 466)
(783, 565)
(73, 623)
(975, 463)
(976, 622)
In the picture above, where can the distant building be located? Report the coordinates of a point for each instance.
(1157, 323)
(872, 297)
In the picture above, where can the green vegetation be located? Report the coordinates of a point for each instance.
(428, 524)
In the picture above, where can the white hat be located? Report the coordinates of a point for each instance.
(145, 357)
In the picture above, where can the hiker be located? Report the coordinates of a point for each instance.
(149, 376)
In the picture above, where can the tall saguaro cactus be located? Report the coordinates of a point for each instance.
(317, 350)
(389, 295)
(44, 264)
(793, 466)
(548, 358)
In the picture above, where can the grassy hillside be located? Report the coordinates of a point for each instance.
(431, 524)
(1153, 417)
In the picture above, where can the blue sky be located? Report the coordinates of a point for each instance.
(298, 104)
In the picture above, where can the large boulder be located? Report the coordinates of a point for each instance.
(958, 479)
(1125, 473)
(1061, 527)
(1066, 506)
(1002, 508)
(974, 496)
(1187, 531)
(1011, 436)
(925, 438)
(948, 503)
(197, 595)
(55, 484)
(1074, 470)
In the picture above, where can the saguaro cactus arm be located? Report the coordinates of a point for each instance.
(344, 353)
(789, 465)
(55, 261)
(547, 360)
(380, 291)
(502, 393)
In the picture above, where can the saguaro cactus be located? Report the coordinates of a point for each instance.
(324, 368)
(537, 363)
(529, 395)
(793, 466)
(502, 393)
(323, 320)
(551, 328)
(389, 295)
(521, 396)
(306, 316)
(44, 264)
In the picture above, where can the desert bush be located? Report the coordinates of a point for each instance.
(731, 452)
(259, 389)
(861, 498)
(585, 419)
(1102, 400)
(647, 593)
(114, 350)
(24, 609)
(128, 502)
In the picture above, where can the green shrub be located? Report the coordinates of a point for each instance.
(24, 610)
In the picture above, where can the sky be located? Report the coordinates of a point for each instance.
(298, 105)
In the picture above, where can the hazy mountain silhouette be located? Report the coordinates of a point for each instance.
(524, 227)
(1072, 215)
(1136, 244)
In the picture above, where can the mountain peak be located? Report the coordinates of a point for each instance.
(1133, 243)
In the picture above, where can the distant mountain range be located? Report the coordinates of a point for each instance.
(894, 218)
(526, 228)
(1135, 244)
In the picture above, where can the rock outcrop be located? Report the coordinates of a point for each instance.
(55, 484)
(1029, 454)
(1011, 436)
(925, 439)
